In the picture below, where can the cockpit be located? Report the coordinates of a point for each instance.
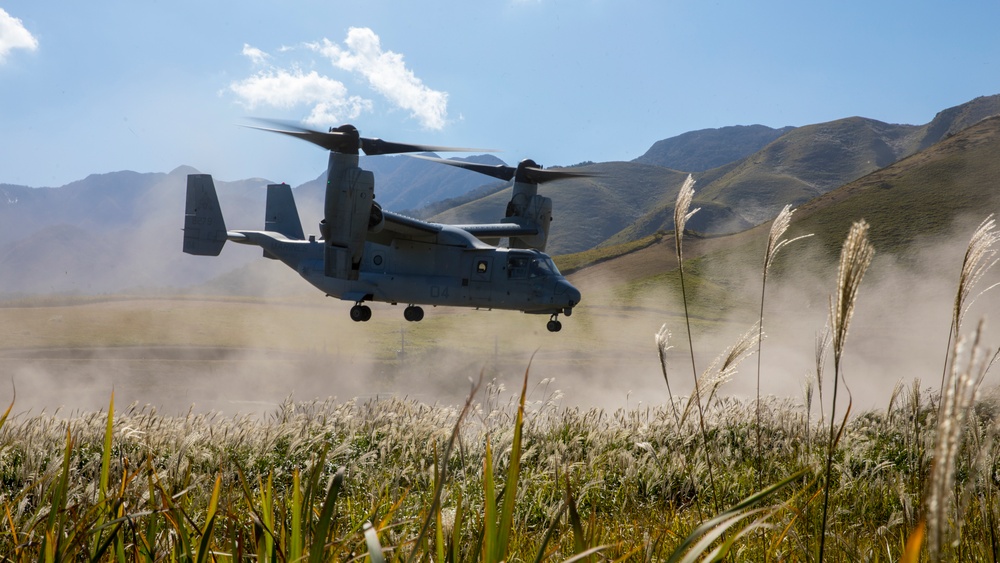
(523, 265)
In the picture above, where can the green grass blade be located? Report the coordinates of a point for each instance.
(456, 532)
(726, 519)
(316, 553)
(374, 546)
(205, 545)
(489, 508)
(548, 533)
(439, 546)
(104, 477)
(709, 536)
(513, 473)
(579, 538)
(297, 539)
(57, 505)
(265, 552)
(6, 413)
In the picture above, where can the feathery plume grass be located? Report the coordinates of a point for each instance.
(969, 363)
(662, 338)
(821, 349)
(681, 215)
(721, 370)
(774, 244)
(855, 257)
(980, 256)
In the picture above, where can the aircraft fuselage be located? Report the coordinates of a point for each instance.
(449, 268)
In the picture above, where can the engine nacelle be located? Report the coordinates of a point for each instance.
(529, 209)
(349, 200)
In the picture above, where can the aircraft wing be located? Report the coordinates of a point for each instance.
(498, 230)
(408, 226)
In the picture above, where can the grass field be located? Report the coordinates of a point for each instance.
(595, 459)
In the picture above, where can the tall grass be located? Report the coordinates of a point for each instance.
(620, 471)
(980, 257)
(508, 478)
(855, 257)
(775, 243)
(683, 212)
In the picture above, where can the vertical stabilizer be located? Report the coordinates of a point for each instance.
(281, 215)
(204, 228)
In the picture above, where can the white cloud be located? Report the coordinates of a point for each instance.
(13, 35)
(254, 54)
(286, 89)
(387, 74)
(288, 86)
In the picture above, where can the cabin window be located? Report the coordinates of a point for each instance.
(482, 266)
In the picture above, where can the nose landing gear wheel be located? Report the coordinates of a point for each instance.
(361, 313)
(554, 325)
(413, 313)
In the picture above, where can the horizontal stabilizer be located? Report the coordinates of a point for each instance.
(204, 228)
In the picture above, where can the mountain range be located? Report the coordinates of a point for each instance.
(121, 231)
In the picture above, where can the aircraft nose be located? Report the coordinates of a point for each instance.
(567, 291)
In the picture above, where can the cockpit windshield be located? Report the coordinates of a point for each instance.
(521, 266)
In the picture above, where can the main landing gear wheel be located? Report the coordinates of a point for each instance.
(413, 313)
(554, 325)
(361, 313)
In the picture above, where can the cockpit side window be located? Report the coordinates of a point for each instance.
(537, 269)
(517, 267)
(530, 266)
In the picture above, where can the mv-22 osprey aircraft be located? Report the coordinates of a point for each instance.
(365, 253)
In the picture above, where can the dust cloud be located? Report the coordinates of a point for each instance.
(241, 355)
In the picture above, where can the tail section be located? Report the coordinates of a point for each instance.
(281, 215)
(204, 227)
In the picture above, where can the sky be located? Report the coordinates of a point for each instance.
(102, 86)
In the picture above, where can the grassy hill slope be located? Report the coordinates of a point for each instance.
(951, 185)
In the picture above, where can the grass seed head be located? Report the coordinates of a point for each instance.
(855, 257)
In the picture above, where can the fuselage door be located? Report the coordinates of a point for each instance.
(481, 279)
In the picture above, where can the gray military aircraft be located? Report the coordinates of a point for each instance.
(365, 253)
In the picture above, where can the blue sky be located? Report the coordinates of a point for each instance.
(93, 87)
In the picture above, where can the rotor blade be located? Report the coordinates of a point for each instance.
(331, 141)
(499, 171)
(346, 139)
(529, 174)
(373, 147)
(540, 176)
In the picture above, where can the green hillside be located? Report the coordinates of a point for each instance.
(956, 180)
(629, 201)
(807, 162)
(950, 186)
